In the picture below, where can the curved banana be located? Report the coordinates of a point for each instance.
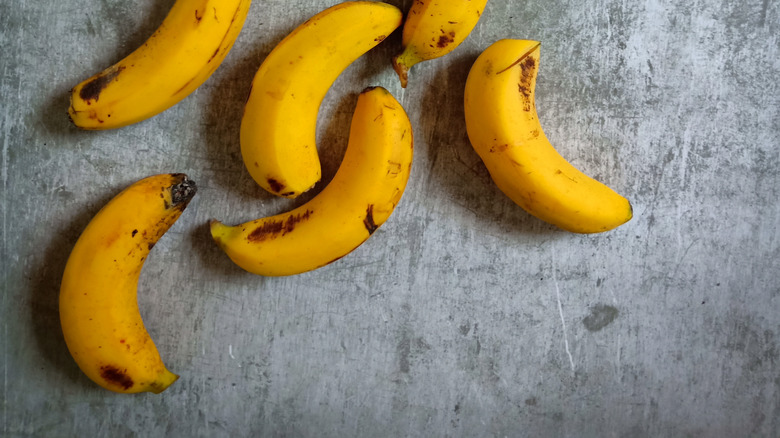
(505, 131)
(434, 28)
(98, 296)
(278, 127)
(362, 195)
(189, 45)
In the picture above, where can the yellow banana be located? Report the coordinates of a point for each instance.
(362, 195)
(505, 131)
(184, 51)
(98, 296)
(278, 127)
(434, 28)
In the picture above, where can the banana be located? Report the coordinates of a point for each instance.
(182, 53)
(278, 126)
(434, 28)
(504, 129)
(98, 295)
(362, 195)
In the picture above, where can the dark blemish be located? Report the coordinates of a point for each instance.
(114, 375)
(530, 401)
(121, 341)
(183, 192)
(275, 185)
(257, 164)
(445, 40)
(150, 246)
(285, 194)
(272, 228)
(197, 18)
(380, 38)
(134, 233)
(601, 315)
(368, 222)
(91, 90)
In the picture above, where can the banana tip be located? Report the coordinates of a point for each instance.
(183, 191)
(402, 69)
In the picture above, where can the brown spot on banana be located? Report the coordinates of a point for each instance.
(275, 185)
(445, 40)
(115, 376)
(271, 229)
(92, 89)
(369, 222)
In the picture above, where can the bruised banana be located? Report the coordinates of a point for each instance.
(98, 296)
(183, 52)
(280, 117)
(505, 131)
(362, 195)
(434, 28)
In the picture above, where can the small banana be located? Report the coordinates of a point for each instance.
(98, 295)
(362, 195)
(189, 45)
(434, 28)
(505, 131)
(280, 117)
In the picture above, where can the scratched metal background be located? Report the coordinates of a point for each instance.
(462, 316)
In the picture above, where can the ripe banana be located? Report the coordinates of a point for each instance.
(184, 51)
(278, 127)
(98, 296)
(362, 195)
(434, 28)
(505, 131)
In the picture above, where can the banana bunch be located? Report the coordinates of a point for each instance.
(434, 28)
(278, 127)
(505, 131)
(362, 195)
(98, 295)
(183, 52)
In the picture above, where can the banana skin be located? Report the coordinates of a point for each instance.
(98, 302)
(434, 28)
(505, 131)
(183, 52)
(278, 127)
(364, 192)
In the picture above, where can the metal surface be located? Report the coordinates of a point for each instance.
(462, 315)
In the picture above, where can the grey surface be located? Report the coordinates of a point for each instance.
(462, 315)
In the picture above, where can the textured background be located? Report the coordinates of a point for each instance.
(462, 315)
